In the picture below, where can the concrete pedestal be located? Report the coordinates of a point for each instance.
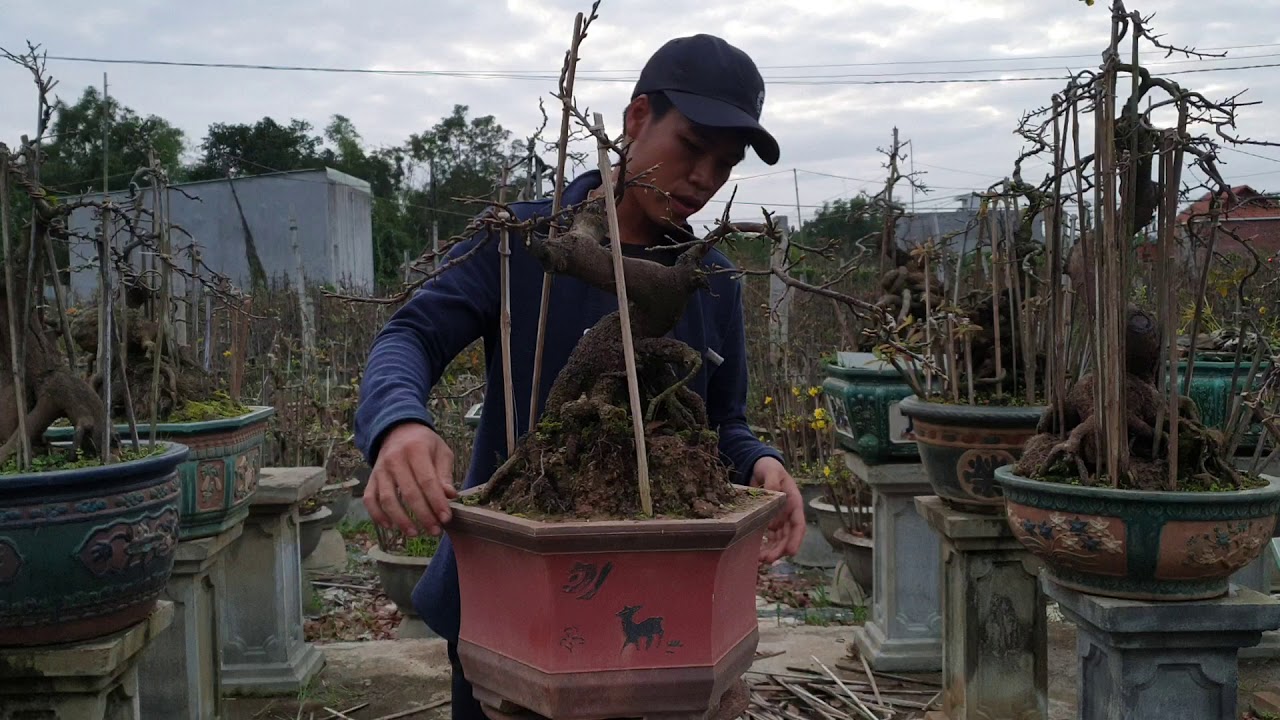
(1160, 660)
(92, 680)
(263, 651)
(995, 639)
(904, 631)
(1257, 577)
(189, 655)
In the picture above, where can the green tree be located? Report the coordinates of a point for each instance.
(847, 221)
(74, 154)
(266, 146)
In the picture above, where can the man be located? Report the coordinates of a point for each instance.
(694, 110)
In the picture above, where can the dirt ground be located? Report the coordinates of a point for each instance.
(391, 676)
(394, 676)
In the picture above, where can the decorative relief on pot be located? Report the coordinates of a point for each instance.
(130, 544)
(10, 561)
(572, 638)
(1088, 543)
(976, 471)
(210, 485)
(1191, 550)
(247, 472)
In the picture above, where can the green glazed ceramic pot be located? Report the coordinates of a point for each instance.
(1136, 544)
(962, 445)
(862, 394)
(86, 552)
(221, 473)
(1211, 391)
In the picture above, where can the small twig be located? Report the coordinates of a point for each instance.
(870, 675)
(415, 711)
(346, 713)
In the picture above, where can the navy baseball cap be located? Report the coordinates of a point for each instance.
(712, 83)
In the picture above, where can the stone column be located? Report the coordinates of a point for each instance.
(189, 655)
(263, 651)
(90, 680)
(904, 631)
(1160, 660)
(994, 632)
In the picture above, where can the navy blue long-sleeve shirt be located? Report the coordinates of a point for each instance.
(449, 313)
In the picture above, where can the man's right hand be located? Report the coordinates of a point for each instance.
(414, 470)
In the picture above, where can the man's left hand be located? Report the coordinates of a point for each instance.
(786, 530)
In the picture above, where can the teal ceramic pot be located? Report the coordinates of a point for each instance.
(221, 473)
(1211, 391)
(86, 552)
(1140, 545)
(962, 445)
(862, 394)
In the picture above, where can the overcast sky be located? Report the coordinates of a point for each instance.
(811, 54)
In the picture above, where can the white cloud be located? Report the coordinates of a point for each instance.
(828, 125)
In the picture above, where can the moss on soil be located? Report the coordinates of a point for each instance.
(53, 460)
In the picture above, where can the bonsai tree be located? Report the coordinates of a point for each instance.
(1125, 491)
(1128, 422)
(53, 367)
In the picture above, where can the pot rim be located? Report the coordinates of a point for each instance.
(320, 513)
(917, 408)
(256, 413)
(1006, 476)
(614, 535)
(379, 555)
(101, 475)
(821, 504)
(857, 540)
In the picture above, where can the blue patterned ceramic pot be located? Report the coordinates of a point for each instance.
(962, 445)
(85, 552)
(220, 475)
(1137, 544)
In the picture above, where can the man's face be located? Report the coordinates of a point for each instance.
(693, 162)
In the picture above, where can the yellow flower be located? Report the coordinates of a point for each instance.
(818, 424)
(795, 391)
(768, 400)
(819, 413)
(813, 392)
(826, 470)
(226, 353)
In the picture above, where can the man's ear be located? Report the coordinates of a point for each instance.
(636, 117)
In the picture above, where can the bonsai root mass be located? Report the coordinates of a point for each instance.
(580, 460)
(1072, 452)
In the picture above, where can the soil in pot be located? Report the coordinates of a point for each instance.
(85, 548)
(962, 445)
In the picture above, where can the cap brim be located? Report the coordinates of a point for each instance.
(710, 112)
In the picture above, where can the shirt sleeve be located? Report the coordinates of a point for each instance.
(727, 397)
(415, 346)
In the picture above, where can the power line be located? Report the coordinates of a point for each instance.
(539, 76)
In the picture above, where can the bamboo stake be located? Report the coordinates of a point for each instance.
(624, 317)
(16, 364)
(566, 102)
(163, 233)
(508, 387)
(995, 302)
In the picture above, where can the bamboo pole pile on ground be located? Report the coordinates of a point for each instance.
(855, 693)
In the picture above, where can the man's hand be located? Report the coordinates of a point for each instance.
(786, 530)
(414, 471)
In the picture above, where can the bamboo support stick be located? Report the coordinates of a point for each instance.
(624, 317)
(508, 388)
(557, 198)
